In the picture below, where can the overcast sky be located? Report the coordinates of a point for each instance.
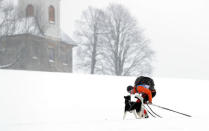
(178, 30)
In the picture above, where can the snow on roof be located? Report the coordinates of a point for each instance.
(66, 38)
(29, 26)
(20, 26)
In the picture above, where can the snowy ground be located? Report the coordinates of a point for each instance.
(42, 101)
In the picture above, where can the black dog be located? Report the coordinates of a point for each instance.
(132, 107)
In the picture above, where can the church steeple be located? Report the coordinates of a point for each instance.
(46, 11)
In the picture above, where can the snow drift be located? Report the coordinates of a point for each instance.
(63, 101)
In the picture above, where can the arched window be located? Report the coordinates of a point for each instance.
(29, 11)
(51, 14)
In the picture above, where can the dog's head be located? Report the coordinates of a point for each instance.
(127, 98)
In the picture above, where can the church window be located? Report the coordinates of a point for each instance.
(51, 14)
(65, 54)
(51, 54)
(29, 11)
(35, 50)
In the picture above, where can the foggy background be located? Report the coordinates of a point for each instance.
(178, 31)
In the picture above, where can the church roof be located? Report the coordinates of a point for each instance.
(21, 26)
(29, 26)
(66, 38)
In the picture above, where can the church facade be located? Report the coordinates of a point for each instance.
(38, 44)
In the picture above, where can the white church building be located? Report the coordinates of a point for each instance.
(37, 43)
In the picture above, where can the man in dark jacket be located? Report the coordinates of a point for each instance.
(148, 83)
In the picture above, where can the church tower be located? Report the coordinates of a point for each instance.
(47, 12)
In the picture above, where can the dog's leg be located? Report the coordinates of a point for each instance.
(139, 114)
(143, 114)
(124, 115)
(142, 110)
(136, 114)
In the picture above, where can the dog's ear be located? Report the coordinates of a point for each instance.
(126, 97)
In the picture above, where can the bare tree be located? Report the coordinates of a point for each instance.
(125, 50)
(112, 43)
(88, 35)
(8, 18)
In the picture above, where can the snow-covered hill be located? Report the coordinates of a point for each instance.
(43, 101)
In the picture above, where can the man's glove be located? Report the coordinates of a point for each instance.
(150, 103)
(147, 102)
